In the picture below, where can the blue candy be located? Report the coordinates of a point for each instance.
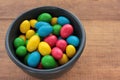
(33, 59)
(40, 24)
(73, 40)
(45, 30)
(63, 20)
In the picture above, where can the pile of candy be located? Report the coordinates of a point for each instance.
(46, 42)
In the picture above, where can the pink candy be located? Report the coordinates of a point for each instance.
(61, 44)
(57, 53)
(51, 40)
(66, 30)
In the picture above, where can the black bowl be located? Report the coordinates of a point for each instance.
(13, 32)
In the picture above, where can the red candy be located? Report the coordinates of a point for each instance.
(51, 40)
(66, 30)
(61, 44)
(57, 53)
(39, 66)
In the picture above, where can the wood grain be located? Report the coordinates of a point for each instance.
(84, 9)
(99, 61)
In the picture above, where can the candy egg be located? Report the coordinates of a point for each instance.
(44, 48)
(61, 44)
(40, 24)
(73, 40)
(19, 42)
(70, 51)
(44, 17)
(54, 20)
(48, 62)
(22, 37)
(63, 20)
(33, 22)
(51, 40)
(30, 33)
(56, 29)
(33, 59)
(66, 30)
(57, 53)
(33, 43)
(64, 59)
(24, 26)
(44, 31)
(21, 51)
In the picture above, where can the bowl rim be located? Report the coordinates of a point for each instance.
(45, 71)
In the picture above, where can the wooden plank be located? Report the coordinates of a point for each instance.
(84, 9)
(99, 61)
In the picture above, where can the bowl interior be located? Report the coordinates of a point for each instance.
(14, 32)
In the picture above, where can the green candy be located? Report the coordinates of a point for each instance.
(19, 42)
(25, 58)
(56, 29)
(44, 17)
(48, 62)
(21, 51)
(26, 42)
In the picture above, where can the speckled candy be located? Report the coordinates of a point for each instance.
(66, 30)
(48, 62)
(63, 20)
(61, 44)
(51, 40)
(33, 59)
(45, 31)
(19, 42)
(70, 51)
(44, 17)
(24, 26)
(56, 29)
(40, 24)
(21, 51)
(63, 60)
(33, 22)
(22, 37)
(54, 20)
(44, 48)
(30, 33)
(57, 53)
(73, 40)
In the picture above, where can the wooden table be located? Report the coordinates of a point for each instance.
(101, 19)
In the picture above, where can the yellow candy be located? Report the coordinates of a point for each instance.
(54, 20)
(30, 33)
(44, 48)
(33, 43)
(64, 59)
(23, 37)
(24, 26)
(33, 22)
(70, 51)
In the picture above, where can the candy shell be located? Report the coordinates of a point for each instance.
(30, 33)
(63, 60)
(51, 40)
(48, 62)
(44, 17)
(73, 40)
(33, 43)
(39, 66)
(33, 59)
(70, 51)
(63, 20)
(61, 44)
(45, 31)
(56, 29)
(44, 48)
(57, 53)
(40, 24)
(21, 51)
(19, 42)
(26, 58)
(24, 26)
(54, 20)
(66, 30)
(33, 22)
